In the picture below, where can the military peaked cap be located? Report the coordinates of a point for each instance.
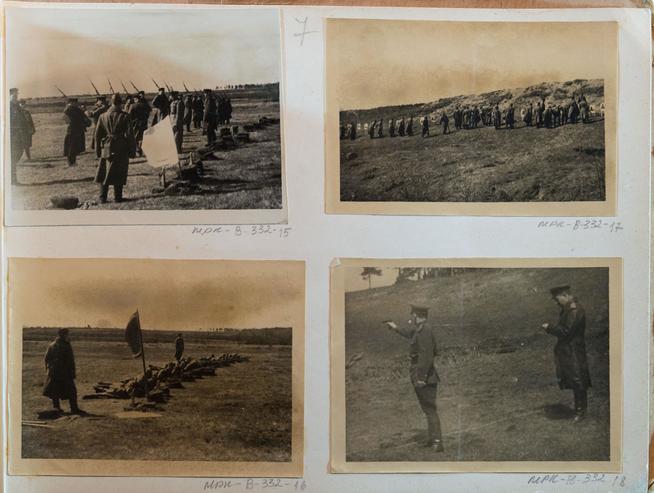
(557, 290)
(420, 311)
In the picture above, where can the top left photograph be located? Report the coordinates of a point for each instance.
(143, 115)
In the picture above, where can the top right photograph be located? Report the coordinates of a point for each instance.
(471, 118)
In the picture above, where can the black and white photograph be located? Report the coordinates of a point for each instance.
(471, 113)
(476, 365)
(142, 109)
(176, 367)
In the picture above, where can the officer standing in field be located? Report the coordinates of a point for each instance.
(60, 368)
(423, 369)
(570, 349)
(179, 347)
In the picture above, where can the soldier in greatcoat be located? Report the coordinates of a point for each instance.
(139, 113)
(75, 139)
(425, 126)
(570, 349)
(29, 130)
(188, 111)
(177, 120)
(179, 347)
(96, 110)
(161, 104)
(17, 131)
(60, 370)
(210, 116)
(445, 121)
(391, 127)
(198, 110)
(422, 369)
(510, 116)
(116, 145)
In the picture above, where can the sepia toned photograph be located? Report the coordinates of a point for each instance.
(485, 118)
(142, 118)
(476, 365)
(177, 367)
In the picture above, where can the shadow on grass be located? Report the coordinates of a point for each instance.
(558, 411)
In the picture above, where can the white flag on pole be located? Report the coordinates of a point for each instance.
(159, 145)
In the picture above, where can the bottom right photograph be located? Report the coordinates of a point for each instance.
(445, 365)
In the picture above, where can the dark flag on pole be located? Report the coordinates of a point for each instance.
(133, 335)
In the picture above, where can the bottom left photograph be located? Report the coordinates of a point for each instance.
(122, 367)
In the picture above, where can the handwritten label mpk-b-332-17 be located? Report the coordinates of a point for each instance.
(610, 226)
(250, 230)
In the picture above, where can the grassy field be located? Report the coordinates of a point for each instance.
(479, 165)
(498, 399)
(242, 414)
(248, 177)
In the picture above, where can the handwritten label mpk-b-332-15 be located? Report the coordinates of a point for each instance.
(250, 230)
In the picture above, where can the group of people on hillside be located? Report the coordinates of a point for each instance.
(540, 115)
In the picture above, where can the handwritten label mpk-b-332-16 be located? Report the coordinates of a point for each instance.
(255, 484)
(250, 230)
(610, 226)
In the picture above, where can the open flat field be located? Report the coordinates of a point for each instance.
(248, 177)
(242, 414)
(498, 398)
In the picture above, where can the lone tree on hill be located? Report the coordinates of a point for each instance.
(368, 272)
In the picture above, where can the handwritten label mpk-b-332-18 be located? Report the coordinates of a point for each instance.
(255, 484)
(610, 226)
(250, 230)
(609, 480)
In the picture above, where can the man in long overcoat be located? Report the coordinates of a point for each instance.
(570, 349)
(116, 145)
(179, 347)
(188, 111)
(198, 110)
(210, 116)
(17, 132)
(60, 369)
(75, 140)
(139, 114)
(177, 120)
(162, 105)
(422, 370)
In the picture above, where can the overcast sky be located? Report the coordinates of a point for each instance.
(170, 295)
(384, 62)
(201, 47)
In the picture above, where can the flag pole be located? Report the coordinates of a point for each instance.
(145, 380)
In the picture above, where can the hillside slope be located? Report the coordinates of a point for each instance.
(553, 92)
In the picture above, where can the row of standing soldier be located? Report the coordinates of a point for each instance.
(543, 115)
(119, 136)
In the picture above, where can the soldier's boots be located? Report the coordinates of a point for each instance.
(436, 445)
(580, 415)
